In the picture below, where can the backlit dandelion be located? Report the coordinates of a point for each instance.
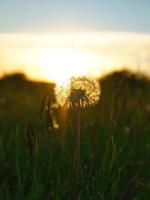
(78, 93)
(83, 91)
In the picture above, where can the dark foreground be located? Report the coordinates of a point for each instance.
(37, 143)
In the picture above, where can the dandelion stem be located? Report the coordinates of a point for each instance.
(77, 153)
(78, 141)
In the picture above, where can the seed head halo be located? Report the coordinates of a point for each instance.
(83, 91)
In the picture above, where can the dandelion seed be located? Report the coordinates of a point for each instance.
(83, 91)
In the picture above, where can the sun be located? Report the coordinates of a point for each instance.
(58, 65)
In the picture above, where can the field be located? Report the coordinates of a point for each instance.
(37, 140)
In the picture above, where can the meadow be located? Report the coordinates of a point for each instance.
(37, 140)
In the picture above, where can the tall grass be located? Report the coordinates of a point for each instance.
(110, 168)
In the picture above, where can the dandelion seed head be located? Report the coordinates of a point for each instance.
(83, 91)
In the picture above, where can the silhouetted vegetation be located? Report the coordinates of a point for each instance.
(37, 162)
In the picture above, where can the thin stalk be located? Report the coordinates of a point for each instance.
(77, 153)
(78, 141)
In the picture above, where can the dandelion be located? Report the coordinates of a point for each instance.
(79, 92)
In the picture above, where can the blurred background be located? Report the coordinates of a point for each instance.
(77, 37)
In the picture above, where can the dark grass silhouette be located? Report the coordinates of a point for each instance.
(36, 164)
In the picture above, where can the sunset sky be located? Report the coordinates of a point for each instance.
(42, 38)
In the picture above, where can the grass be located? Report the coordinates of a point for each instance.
(114, 162)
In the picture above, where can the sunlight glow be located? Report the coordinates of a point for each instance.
(56, 57)
(58, 65)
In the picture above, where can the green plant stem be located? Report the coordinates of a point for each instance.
(78, 142)
(77, 154)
